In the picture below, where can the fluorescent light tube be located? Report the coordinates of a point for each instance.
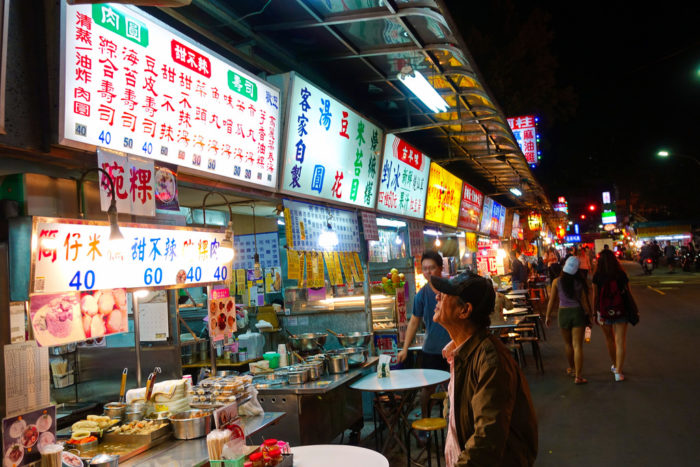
(424, 91)
(516, 191)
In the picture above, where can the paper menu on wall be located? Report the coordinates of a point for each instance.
(26, 377)
(321, 278)
(347, 272)
(332, 266)
(17, 326)
(337, 268)
(241, 281)
(358, 266)
(153, 321)
(273, 280)
(293, 272)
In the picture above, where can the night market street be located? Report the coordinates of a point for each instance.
(649, 419)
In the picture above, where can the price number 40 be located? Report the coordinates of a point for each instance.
(88, 280)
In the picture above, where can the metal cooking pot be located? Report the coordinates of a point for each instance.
(298, 376)
(115, 410)
(104, 460)
(338, 363)
(307, 341)
(354, 339)
(314, 372)
(192, 424)
(356, 355)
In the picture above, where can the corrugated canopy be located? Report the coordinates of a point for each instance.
(356, 49)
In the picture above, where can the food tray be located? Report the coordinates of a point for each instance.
(64, 380)
(135, 439)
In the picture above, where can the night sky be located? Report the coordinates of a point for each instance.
(611, 84)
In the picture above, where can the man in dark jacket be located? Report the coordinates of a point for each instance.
(492, 420)
(518, 271)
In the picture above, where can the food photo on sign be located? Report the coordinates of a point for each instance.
(166, 188)
(25, 435)
(67, 317)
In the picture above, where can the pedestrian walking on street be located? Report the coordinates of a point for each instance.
(492, 420)
(609, 283)
(570, 296)
(584, 262)
(670, 254)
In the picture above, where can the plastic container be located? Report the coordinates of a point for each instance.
(275, 456)
(257, 459)
(62, 381)
(273, 358)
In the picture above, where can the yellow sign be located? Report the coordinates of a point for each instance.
(444, 196)
(358, 266)
(288, 228)
(471, 241)
(293, 270)
(241, 281)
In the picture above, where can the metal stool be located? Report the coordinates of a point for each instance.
(431, 426)
(536, 354)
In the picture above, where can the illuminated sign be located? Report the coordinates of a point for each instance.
(534, 221)
(516, 231)
(572, 239)
(498, 219)
(132, 84)
(331, 151)
(609, 217)
(486, 218)
(606, 197)
(525, 131)
(470, 209)
(76, 255)
(404, 179)
(444, 196)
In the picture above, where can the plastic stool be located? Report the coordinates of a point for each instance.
(430, 426)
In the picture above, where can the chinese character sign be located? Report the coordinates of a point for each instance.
(498, 219)
(444, 196)
(534, 221)
(470, 209)
(73, 255)
(525, 131)
(134, 183)
(516, 231)
(486, 218)
(331, 151)
(130, 84)
(403, 181)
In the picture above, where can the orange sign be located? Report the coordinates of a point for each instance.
(444, 196)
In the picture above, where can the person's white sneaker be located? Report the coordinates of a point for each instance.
(619, 377)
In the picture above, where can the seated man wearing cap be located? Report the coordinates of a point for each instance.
(492, 420)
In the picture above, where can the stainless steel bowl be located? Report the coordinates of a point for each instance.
(355, 339)
(314, 372)
(115, 410)
(104, 460)
(308, 341)
(157, 416)
(192, 424)
(338, 363)
(134, 416)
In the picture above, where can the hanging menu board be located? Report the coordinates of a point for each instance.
(404, 179)
(444, 190)
(331, 152)
(74, 255)
(133, 84)
(310, 220)
(470, 209)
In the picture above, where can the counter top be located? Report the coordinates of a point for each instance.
(324, 384)
(193, 452)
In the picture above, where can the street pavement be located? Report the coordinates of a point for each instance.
(651, 418)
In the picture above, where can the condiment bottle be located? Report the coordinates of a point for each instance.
(275, 456)
(257, 459)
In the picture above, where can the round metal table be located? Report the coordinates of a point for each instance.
(337, 455)
(394, 410)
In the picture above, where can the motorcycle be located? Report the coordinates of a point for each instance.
(647, 266)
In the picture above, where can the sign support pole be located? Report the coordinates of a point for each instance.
(137, 339)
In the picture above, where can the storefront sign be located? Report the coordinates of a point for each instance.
(486, 218)
(166, 195)
(444, 190)
(498, 219)
(404, 179)
(133, 84)
(516, 232)
(309, 221)
(609, 217)
(74, 255)
(331, 152)
(534, 221)
(525, 132)
(572, 239)
(134, 183)
(470, 209)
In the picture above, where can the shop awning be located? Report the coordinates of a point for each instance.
(356, 49)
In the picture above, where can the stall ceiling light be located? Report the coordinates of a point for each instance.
(420, 86)
(516, 191)
(383, 222)
(431, 232)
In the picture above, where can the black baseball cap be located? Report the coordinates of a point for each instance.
(471, 288)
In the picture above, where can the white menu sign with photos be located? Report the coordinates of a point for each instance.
(131, 83)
